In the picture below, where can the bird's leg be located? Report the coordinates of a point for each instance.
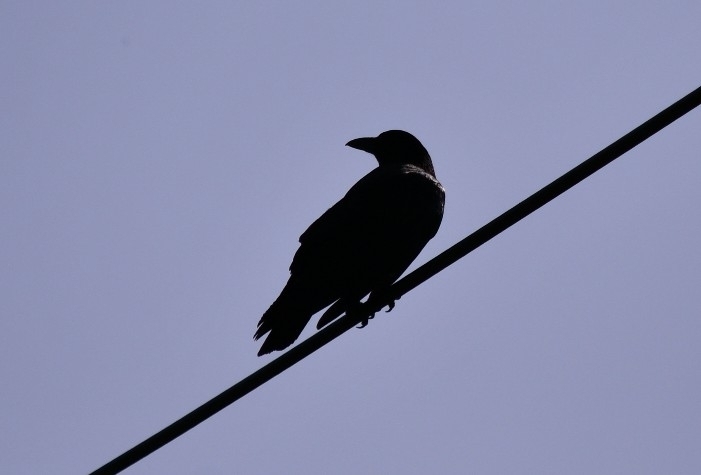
(370, 316)
(376, 302)
(379, 297)
(367, 308)
(354, 306)
(364, 321)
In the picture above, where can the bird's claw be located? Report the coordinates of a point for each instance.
(390, 306)
(364, 322)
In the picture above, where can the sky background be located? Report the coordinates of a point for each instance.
(159, 160)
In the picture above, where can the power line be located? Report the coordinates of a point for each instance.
(404, 285)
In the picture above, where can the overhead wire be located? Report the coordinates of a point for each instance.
(406, 284)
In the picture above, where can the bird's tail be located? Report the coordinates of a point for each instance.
(284, 321)
(283, 324)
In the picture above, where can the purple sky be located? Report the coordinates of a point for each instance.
(158, 162)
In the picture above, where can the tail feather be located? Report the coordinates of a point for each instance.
(283, 324)
(284, 321)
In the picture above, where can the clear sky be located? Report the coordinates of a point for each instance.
(158, 161)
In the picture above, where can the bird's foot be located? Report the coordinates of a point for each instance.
(375, 303)
(364, 322)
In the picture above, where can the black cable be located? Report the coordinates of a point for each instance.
(548, 192)
(404, 285)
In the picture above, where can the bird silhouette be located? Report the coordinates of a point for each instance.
(363, 243)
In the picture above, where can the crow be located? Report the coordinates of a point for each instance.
(363, 243)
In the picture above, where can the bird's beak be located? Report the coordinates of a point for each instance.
(366, 144)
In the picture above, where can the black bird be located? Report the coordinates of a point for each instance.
(363, 243)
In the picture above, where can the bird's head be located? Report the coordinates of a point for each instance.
(395, 147)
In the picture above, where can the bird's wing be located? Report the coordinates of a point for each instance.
(337, 234)
(374, 232)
